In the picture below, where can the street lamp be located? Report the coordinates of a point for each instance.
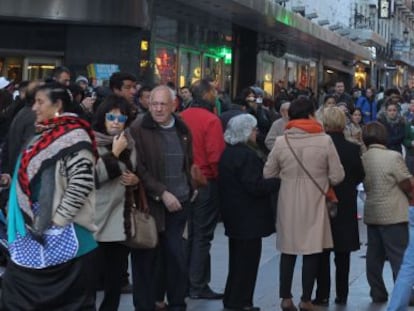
(405, 34)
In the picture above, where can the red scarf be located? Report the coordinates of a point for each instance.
(51, 130)
(308, 125)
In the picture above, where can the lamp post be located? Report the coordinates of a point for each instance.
(405, 34)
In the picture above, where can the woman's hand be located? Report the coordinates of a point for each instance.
(119, 144)
(129, 179)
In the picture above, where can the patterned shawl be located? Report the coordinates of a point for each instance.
(57, 138)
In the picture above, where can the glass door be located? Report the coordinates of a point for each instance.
(39, 67)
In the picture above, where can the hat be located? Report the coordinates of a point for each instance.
(4, 83)
(257, 90)
(81, 79)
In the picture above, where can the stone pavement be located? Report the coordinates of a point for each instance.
(267, 286)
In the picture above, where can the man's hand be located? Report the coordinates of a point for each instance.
(171, 202)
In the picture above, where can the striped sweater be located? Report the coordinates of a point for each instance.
(74, 195)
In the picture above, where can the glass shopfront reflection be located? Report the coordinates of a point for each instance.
(165, 69)
(190, 67)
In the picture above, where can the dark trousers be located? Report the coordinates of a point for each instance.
(111, 256)
(160, 279)
(384, 242)
(309, 272)
(342, 264)
(202, 223)
(144, 263)
(244, 258)
(64, 287)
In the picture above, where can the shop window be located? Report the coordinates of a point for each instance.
(165, 69)
(11, 68)
(267, 77)
(212, 68)
(190, 67)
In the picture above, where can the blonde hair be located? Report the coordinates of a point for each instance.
(333, 119)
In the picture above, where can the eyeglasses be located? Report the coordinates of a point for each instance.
(112, 117)
(158, 104)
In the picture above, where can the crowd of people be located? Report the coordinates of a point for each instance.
(76, 160)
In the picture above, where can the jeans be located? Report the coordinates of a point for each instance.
(144, 266)
(202, 223)
(405, 280)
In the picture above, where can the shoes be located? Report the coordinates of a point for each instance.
(287, 305)
(247, 308)
(323, 302)
(340, 301)
(206, 293)
(306, 306)
(126, 289)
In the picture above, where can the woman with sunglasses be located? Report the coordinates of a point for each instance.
(116, 179)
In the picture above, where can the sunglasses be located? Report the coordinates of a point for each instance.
(112, 117)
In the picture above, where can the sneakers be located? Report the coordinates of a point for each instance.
(206, 293)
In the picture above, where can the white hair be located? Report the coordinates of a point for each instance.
(239, 129)
(285, 106)
(165, 89)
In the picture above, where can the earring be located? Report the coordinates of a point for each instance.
(57, 113)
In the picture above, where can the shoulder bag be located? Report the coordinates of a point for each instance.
(330, 196)
(143, 231)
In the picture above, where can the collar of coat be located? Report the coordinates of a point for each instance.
(149, 123)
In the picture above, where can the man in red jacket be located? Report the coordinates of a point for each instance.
(208, 145)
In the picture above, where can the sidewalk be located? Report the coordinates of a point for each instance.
(266, 294)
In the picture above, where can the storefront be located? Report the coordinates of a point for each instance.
(273, 72)
(39, 35)
(184, 53)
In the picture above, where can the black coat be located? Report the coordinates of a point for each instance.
(396, 133)
(345, 225)
(244, 194)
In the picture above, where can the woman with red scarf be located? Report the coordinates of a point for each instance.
(302, 224)
(51, 210)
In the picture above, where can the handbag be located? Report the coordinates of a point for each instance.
(143, 230)
(330, 196)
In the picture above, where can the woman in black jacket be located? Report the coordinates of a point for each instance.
(245, 208)
(395, 125)
(345, 225)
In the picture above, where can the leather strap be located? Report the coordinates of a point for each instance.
(303, 167)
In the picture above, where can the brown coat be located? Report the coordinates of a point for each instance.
(150, 160)
(302, 224)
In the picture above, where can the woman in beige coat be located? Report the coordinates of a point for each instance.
(302, 225)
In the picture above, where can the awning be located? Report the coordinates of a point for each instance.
(301, 36)
(367, 37)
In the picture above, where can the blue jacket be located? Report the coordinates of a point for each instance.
(368, 109)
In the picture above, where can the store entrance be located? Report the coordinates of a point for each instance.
(18, 68)
(39, 67)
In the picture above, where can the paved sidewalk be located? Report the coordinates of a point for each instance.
(266, 294)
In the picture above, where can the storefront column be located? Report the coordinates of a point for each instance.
(244, 56)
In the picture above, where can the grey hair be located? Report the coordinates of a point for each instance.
(165, 89)
(285, 105)
(239, 129)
